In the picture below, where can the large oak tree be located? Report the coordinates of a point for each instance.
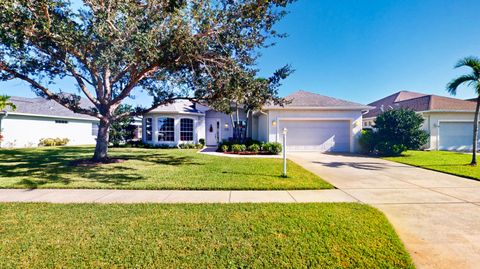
(172, 49)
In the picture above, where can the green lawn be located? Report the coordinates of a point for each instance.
(448, 162)
(198, 236)
(148, 169)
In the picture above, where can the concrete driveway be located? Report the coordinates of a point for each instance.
(436, 215)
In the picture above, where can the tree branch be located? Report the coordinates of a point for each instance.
(48, 93)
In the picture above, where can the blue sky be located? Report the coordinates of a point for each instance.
(362, 50)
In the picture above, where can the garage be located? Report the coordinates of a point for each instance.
(317, 135)
(455, 136)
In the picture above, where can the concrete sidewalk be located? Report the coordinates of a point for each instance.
(171, 196)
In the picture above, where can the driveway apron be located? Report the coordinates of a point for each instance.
(436, 215)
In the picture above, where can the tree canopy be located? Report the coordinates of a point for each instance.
(172, 49)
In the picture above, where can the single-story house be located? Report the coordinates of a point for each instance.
(314, 123)
(37, 118)
(449, 121)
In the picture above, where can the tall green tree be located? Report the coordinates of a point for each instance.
(472, 80)
(172, 49)
(245, 93)
(5, 102)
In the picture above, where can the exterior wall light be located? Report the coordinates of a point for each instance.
(226, 126)
(274, 123)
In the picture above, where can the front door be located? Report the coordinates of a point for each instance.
(213, 131)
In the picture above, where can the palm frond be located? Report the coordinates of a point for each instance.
(472, 62)
(453, 85)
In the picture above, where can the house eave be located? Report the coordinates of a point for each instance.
(447, 111)
(320, 108)
(174, 112)
(51, 116)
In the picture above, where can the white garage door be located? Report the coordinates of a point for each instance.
(316, 135)
(455, 136)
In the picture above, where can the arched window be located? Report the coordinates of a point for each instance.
(186, 130)
(166, 129)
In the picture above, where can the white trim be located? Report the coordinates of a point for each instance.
(349, 120)
(175, 112)
(446, 111)
(50, 116)
(320, 108)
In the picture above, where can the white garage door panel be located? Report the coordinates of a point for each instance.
(317, 135)
(455, 136)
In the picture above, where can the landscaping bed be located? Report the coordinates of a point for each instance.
(454, 163)
(198, 236)
(139, 168)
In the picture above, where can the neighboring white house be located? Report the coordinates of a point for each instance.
(314, 123)
(37, 118)
(449, 121)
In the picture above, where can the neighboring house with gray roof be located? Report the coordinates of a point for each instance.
(449, 121)
(314, 122)
(37, 118)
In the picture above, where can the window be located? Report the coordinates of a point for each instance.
(148, 129)
(61, 121)
(166, 130)
(186, 130)
(94, 128)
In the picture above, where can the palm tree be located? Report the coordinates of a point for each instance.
(5, 101)
(473, 80)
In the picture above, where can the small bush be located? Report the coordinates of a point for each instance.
(51, 142)
(238, 148)
(367, 141)
(250, 142)
(272, 147)
(187, 146)
(224, 148)
(254, 148)
(199, 146)
(201, 141)
(224, 143)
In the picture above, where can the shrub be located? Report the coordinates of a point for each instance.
(398, 130)
(224, 148)
(199, 146)
(250, 142)
(254, 148)
(367, 141)
(272, 147)
(51, 142)
(238, 148)
(224, 143)
(201, 141)
(187, 146)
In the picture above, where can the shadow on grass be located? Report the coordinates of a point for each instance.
(37, 167)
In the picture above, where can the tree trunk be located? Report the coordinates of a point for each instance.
(475, 134)
(101, 148)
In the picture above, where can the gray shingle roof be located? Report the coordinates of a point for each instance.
(180, 106)
(43, 107)
(309, 99)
